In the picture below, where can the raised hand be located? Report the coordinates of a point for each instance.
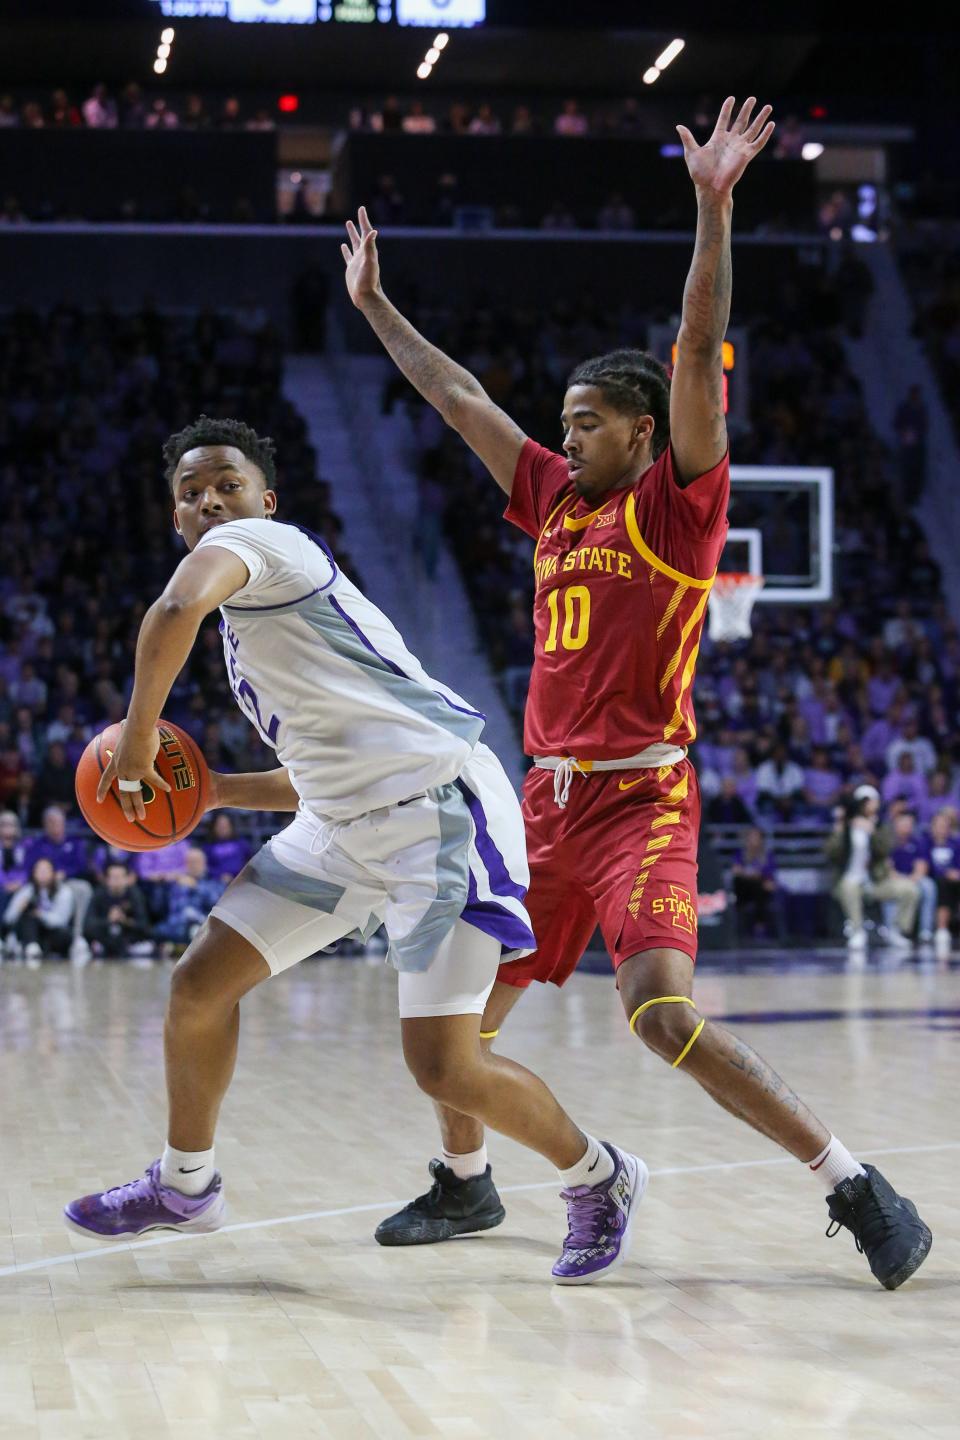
(362, 262)
(718, 165)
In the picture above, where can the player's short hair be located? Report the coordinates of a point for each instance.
(633, 382)
(260, 449)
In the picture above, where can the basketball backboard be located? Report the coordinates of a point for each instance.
(781, 527)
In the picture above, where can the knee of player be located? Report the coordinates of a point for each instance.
(192, 993)
(440, 1076)
(666, 1029)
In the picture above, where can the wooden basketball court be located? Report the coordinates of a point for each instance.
(735, 1317)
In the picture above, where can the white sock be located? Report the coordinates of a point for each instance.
(595, 1167)
(465, 1167)
(189, 1171)
(835, 1163)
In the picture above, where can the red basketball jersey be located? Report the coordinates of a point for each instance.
(621, 594)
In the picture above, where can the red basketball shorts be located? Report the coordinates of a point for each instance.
(622, 855)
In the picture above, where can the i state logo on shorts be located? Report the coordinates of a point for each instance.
(678, 905)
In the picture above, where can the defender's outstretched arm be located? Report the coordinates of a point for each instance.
(698, 428)
(450, 389)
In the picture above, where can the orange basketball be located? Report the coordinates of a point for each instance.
(170, 816)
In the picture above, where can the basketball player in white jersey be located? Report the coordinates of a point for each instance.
(402, 817)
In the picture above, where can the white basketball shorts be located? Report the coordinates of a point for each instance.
(445, 872)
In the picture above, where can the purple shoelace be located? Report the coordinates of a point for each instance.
(586, 1211)
(143, 1188)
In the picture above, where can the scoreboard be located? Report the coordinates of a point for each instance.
(433, 14)
(661, 341)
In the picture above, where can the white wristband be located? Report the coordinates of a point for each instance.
(129, 787)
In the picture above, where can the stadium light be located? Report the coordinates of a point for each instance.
(812, 150)
(440, 42)
(670, 54)
(650, 75)
(164, 49)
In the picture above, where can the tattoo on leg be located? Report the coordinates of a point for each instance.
(744, 1059)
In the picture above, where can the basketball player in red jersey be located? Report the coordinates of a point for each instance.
(629, 525)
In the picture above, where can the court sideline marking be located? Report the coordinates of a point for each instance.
(110, 1248)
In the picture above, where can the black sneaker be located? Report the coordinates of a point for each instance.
(885, 1226)
(450, 1207)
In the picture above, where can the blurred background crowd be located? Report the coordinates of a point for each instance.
(829, 739)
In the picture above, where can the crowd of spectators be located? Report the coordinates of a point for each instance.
(131, 109)
(86, 401)
(909, 871)
(69, 895)
(821, 700)
(574, 118)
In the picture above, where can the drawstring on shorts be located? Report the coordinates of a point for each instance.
(563, 779)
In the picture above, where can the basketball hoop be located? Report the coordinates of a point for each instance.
(731, 601)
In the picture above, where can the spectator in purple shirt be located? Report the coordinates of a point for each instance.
(882, 686)
(162, 864)
(881, 733)
(67, 853)
(822, 785)
(911, 857)
(744, 777)
(156, 871)
(755, 886)
(13, 864)
(814, 711)
(904, 783)
(942, 792)
(192, 896)
(944, 855)
(226, 853)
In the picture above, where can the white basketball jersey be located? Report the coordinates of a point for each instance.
(327, 680)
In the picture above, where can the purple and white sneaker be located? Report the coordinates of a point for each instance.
(600, 1219)
(143, 1205)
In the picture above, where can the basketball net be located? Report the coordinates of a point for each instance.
(731, 601)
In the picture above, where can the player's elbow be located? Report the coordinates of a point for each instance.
(181, 606)
(700, 347)
(457, 403)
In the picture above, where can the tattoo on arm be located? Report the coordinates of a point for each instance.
(706, 314)
(706, 295)
(440, 380)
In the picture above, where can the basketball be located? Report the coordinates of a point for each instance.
(170, 815)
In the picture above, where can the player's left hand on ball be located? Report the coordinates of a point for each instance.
(134, 759)
(717, 165)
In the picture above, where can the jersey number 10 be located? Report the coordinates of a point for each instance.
(576, 617)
